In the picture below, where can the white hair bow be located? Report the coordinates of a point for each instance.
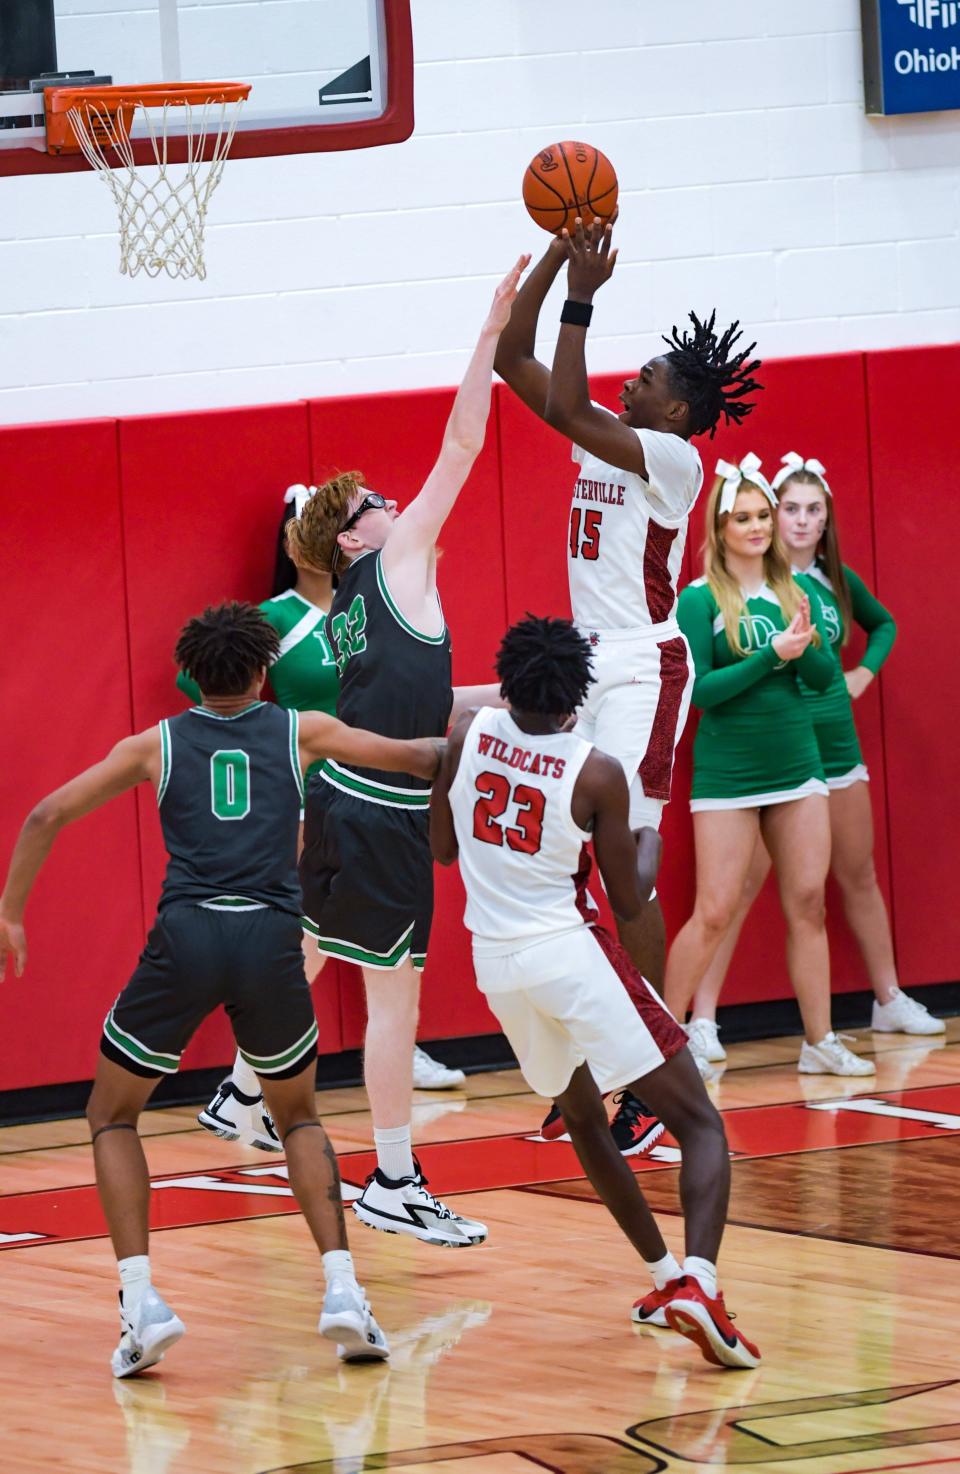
(734, 477)
(299, 495)
(792, 463)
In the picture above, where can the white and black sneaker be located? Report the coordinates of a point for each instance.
(239, 1117)
(405, 1206)
(145, 1334)
(347, 1319)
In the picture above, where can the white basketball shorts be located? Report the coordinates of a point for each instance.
(562, 1002)
(637, 709)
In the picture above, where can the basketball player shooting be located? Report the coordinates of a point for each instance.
(518, 798)
(638, 480)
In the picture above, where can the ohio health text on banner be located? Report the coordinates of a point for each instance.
(911, 55)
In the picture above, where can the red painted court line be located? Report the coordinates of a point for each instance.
(181, 1200)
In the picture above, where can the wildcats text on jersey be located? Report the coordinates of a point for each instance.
(598, 491)
(520, 757)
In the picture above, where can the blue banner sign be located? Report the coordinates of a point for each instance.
(911, 55)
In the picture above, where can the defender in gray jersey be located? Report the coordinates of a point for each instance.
(366, 870)
(228, 775)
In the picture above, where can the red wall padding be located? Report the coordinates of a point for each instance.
(154, 517)
(913, 396)
(66, 683)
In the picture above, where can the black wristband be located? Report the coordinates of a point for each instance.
(577, 313)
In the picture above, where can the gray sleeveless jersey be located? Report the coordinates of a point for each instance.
(230, 794)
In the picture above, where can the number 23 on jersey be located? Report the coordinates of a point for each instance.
(495, 794)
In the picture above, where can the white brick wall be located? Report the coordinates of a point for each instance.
(750, 179)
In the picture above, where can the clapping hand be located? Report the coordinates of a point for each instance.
(791, 644)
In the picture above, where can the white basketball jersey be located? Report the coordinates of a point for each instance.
(521, 854)
(627, 535)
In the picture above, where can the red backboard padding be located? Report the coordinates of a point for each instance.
(66, 702)
(913, 397)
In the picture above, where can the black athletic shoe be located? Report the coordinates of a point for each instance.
(634, 1128)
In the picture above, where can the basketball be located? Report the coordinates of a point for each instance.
(566, 180)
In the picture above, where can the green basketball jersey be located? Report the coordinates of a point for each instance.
(755, 734)
(304, 674)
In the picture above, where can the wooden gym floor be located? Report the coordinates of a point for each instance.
(842, 1260)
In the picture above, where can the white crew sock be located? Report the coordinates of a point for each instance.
(704, 1273)
(244, 1076)
(394, 1151)
(338, 1265)
(663, 1270)
(134, 1279)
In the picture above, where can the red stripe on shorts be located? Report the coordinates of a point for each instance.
(656, 768)
(666, 1032)
(657, 584)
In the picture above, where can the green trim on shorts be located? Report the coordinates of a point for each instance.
(351, 952)
(268, 1064)
(165, 1064)
(419, 960)
(381, 793)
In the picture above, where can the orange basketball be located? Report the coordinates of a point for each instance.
(567, 180)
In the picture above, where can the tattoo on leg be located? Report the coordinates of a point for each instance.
(114, 1126)
(335, 1191)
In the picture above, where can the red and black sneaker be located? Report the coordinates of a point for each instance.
(553, 1124)
(705, 1321)
(634, 1127)
(650, 1311)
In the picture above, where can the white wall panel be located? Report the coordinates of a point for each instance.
(750, 179)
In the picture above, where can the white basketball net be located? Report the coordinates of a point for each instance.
(163, 206)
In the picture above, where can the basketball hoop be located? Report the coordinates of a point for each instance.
(162, 179)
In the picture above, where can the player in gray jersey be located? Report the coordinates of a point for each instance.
(228, 776)
(366, 869)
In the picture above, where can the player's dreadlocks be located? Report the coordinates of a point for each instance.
(223, 648)
(544, 666)
(711, 377)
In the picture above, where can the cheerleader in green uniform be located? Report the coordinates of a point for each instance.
(758, 637)
(807, 524)
(304, 678)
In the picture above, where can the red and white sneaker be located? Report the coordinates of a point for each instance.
(650, 1310)
(634, 1128)
(691, 1312)
(554, 1126)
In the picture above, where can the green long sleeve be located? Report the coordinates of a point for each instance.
(874, 618)
(714, 685)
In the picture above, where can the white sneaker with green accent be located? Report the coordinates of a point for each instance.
(430, 1074)
(832, 1057)
(905, 1015)
(705, 1031)
(145, 1334)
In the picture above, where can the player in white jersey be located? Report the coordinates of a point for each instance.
(518, 798)
(638, 479)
